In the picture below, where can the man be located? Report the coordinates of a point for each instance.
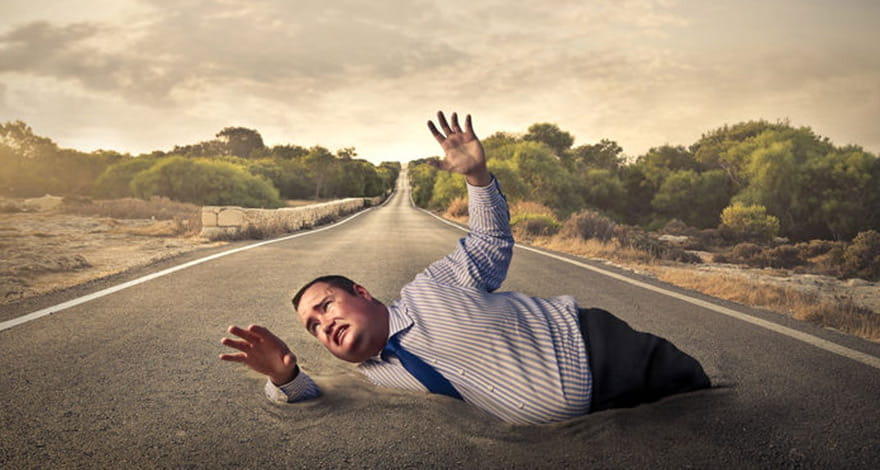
(522, 359)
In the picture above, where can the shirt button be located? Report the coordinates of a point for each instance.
(520, 405)
(461, 371)
(491, 388)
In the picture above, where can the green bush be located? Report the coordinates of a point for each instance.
(535, 225)
(205, 182)
(748, 223)
(447, 187)
(862, 257)
(115, 181)
(421, 178)
(588, 224)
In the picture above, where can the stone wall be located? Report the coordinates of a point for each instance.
(232, 223)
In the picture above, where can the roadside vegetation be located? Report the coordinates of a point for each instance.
(235, 168)
(756, 194)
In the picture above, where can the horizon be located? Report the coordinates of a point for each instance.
(140, 76)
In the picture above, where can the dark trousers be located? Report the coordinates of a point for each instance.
(630, 367)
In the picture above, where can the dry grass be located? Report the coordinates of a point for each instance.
(839, 314)
(458, 209)
(174, 218)
(594, 248)
(161, 228)
(529, 207)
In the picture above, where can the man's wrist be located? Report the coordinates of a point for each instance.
(479, 178)
(281, 380)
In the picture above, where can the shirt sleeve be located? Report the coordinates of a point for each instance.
(301, 388)
(480, 259)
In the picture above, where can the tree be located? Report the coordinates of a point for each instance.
(775, 169)
(320, 163)
(422, 177)
(603, 190)
(550, 134)
(346, 153)
(497, 141)
(21, 140)
(604, 155)
(240, 141)
(288, 152)
(697, 199)
(711, 150)
(548, 182)
(845, 185)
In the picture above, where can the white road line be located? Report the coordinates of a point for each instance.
(829, 346)
(110, 290)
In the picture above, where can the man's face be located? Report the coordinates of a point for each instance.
(353, 327)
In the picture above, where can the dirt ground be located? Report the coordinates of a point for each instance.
(41, 252)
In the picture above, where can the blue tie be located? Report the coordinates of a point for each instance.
(421, 370)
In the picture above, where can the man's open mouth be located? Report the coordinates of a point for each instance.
(337, 337)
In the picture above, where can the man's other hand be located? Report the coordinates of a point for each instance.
(464, 153)
(263, 352)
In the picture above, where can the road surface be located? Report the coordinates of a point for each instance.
(131, 379)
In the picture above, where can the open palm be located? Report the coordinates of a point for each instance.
(464, 153)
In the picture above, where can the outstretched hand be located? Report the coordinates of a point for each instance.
(263, 352)
(464, 153)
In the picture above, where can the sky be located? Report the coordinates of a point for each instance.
(143, 75)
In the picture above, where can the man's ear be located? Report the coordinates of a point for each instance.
(362, 291)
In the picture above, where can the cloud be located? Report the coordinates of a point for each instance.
(348, 72)
(188, 47)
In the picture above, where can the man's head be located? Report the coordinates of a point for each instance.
(345, 318)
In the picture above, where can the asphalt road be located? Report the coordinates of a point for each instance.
(132, 379)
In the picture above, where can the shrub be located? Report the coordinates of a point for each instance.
(205, 182)
(705, 239)
(814, 248)
(115, 181)
(745, 253)
(748, 223)
(589, 224)
(784, 256)
(862, 257)
(447, 187)
(534, 225)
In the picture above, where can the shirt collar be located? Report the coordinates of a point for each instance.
(398, 320)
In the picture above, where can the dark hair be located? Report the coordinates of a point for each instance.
(334, 280)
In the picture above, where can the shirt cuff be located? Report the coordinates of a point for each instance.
(489, 195)
(300, 388)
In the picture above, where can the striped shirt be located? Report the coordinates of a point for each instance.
(519, 358)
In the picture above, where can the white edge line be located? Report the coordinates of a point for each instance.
(125, 285)
(829, 346)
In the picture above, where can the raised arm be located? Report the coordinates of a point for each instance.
(481, 259)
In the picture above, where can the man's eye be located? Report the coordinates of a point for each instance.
(326, 305)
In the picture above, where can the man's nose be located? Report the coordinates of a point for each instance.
(327, 325)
